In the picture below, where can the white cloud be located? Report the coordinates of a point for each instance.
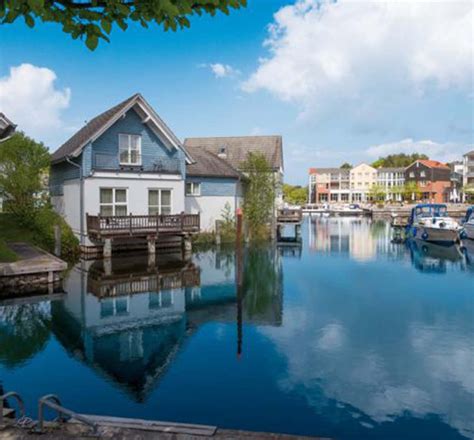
(361, 55)
(29, 98)
(444, 152)
(222, 70)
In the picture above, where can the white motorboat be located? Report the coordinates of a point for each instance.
(430, 222)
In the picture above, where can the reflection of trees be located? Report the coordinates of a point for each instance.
(378, 229)
(260, 281)
(24, 331)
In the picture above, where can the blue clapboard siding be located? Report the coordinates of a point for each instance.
(59, 173)
(215, 186)
(152, 147)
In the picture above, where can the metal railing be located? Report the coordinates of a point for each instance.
(142, 162)
(52, 401)
(142, 225)
(18, 398)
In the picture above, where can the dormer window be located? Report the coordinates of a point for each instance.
(130, 148)
(222, 152)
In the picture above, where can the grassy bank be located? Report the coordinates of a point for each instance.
(10, 230)
(40, 233)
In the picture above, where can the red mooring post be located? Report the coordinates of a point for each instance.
(239, 279)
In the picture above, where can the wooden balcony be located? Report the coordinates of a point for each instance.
(289, 216)
(141, 226)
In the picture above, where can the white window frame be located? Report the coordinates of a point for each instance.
(195, 188)
(127, 138)
(160, 205)
(114, 202)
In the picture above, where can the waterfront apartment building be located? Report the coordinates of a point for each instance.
(337, 185)
(433, 179)
(468, 169)
(329, 185)
(362, 178)
(392, 180)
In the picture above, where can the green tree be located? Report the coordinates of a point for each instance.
(399, 160)
(377, 193)
(259, 196)
(23, 164)
(93, 20)
(346, 166)
(411, 191)
(295, 195)
(468, 190)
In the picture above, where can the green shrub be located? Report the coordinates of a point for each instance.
(44, 221)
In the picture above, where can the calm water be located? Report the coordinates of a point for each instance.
(349, 336)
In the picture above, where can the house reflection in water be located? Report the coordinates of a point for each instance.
(129, 320)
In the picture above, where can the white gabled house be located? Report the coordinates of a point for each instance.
(124, 161)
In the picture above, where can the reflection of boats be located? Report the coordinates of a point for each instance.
(467, 248)
(432, 257)
(468, 223)
(430, 222)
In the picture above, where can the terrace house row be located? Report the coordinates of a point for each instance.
(127, 162)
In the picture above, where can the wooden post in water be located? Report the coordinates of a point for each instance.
(218, 232)
(239, 280)
(57, 240)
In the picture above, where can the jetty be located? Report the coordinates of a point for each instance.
(289, 217)
(35, 270)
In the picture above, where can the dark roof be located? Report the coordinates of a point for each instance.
(208, 164)
(391, 169)
(237, 148)
(433, 163)
(7, 127)
(89, 130)
(329, 170)
(93, 127)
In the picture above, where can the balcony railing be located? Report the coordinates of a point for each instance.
(142, 163)
(99, 227)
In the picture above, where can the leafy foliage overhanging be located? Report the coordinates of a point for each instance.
(93, 20)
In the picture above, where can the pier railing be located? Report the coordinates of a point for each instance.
(289, 215)
(141, 225)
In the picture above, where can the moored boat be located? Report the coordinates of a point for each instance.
(468, 223)
(430, 222)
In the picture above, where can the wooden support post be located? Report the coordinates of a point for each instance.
(108, 266)
(298, 232)
(278, 231)
(218, 232)
(151, 245)
(57, 240)
(107, 248)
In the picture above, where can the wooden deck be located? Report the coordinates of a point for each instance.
(289, 215)
(99, 227)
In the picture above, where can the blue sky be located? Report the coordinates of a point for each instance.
(340, 81)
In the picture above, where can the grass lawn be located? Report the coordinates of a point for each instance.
(11, 231)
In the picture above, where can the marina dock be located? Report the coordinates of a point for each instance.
(34, 271)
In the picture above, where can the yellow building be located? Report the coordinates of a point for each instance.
(362, 178)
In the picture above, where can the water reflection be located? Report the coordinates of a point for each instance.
(24, 331)
(128, 319)
(348, 336)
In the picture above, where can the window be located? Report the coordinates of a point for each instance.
(113, 201)
(159, 201)
(113, 307)
(422, 174)
(160, 300)
(412, 174)
(193, 189)
(130, 146)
